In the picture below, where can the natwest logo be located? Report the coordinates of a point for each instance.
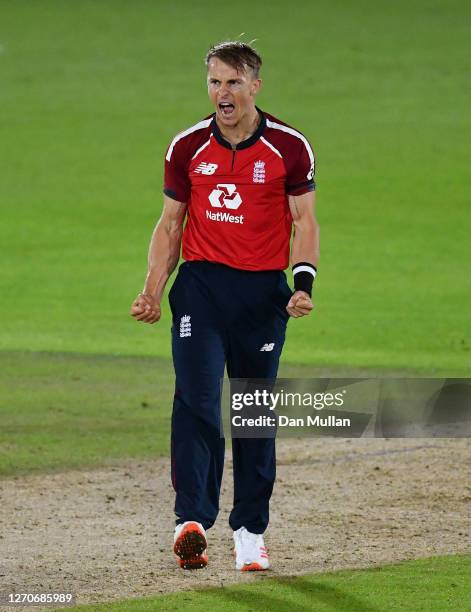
(225, 195)
(224, 216)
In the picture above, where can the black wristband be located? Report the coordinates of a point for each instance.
(304, 274)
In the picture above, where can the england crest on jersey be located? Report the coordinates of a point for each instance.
(259, 172)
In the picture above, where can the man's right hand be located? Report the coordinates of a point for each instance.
(145, 308)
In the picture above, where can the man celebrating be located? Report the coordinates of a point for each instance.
(242, 179)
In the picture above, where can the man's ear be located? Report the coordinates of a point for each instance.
(256, 85)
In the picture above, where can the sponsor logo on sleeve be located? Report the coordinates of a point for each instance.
(310, 174)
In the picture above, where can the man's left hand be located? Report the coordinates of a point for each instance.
(299, 305)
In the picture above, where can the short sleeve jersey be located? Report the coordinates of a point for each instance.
(237, 197)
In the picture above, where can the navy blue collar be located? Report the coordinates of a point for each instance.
(245, 143)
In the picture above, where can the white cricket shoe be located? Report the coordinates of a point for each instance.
(250, 552)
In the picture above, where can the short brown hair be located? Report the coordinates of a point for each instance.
(237, 54)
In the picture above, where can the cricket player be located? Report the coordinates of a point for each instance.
(236, 183)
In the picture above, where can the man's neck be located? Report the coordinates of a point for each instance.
(243, 130)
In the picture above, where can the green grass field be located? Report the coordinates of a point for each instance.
(92, 93)
(439, 583)
(67, 410)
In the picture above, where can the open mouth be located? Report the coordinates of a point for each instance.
(227, 109)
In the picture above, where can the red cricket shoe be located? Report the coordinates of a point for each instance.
(190, 545)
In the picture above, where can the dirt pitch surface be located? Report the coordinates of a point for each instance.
(107, 534)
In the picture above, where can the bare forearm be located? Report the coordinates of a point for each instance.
(305, 245)
(164, 253)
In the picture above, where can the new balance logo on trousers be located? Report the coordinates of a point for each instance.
(268, 346)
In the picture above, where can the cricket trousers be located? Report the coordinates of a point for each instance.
(222, 317)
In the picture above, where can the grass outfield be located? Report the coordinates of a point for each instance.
(437, 583)
(92, 93)
(67, 411)
(70, 411)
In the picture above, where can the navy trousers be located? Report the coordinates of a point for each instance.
(222, 317)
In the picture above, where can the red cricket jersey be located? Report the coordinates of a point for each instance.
(237, 198)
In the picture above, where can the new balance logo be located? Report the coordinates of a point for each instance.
(268, 347)
(259, 172)
(205, 168)
(185, 326)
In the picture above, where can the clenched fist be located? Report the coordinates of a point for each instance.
(145, 308)
(300, 304)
